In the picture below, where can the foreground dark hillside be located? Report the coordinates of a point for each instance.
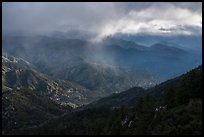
(22, 109)
(178, 110)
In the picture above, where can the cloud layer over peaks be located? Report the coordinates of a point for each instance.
(103, 19)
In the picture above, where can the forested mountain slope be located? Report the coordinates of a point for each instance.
(177, 111)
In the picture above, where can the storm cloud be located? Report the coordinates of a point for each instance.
(103, 19)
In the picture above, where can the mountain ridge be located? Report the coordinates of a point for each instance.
(178, 111)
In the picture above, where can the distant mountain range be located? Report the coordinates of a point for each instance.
(188, 42)
(99, 66)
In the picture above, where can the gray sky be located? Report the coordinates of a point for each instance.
(103, 18)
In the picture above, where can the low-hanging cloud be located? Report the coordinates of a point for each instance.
(103, 19)
(155, 19)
